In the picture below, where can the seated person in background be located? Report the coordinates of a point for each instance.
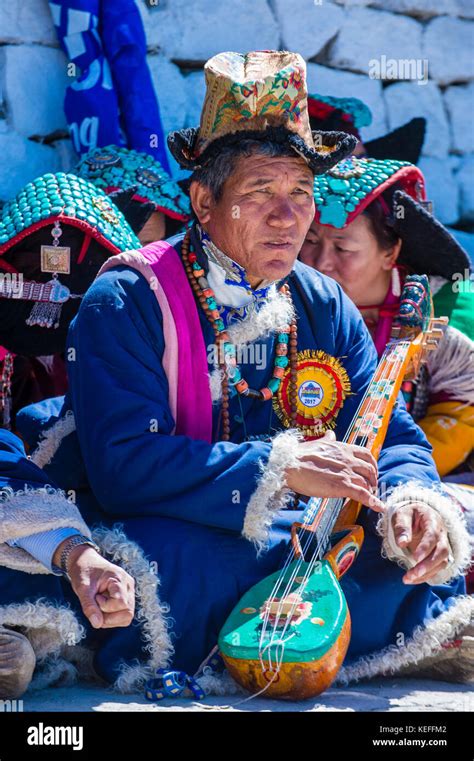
(54, 237)
(371, 229)
(152, 202)
(54, 584)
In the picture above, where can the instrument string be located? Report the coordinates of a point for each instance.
(319, 506)
(329, 512)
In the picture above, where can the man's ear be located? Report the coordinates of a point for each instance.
(391, 255)
(201, 201)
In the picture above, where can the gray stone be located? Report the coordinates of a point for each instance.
(195, 85)
(447, 44)
(161, 30)
(67, 155)
(26, 160)
(35, 83)
(420, 8)
(467, 242)
(171, 92)
(308, 28)
(406, 100)
(441, 188)
(465, 178)
(354, 3)
(464, 8)
(369, 35)
(459, 102)
(197, 30)
(326, 81)
(27, 22)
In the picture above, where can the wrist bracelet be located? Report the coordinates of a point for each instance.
(74, 541)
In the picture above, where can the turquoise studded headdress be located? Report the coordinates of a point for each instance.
(116, 168)
(72, 199)
(348, 188)
(327, 112)
(54, 237)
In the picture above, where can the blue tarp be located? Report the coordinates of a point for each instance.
(111, 99)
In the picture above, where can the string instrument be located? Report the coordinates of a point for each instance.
(289, 634)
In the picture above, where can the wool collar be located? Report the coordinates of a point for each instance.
(235, 297)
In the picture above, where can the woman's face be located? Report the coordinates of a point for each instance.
(353, 257)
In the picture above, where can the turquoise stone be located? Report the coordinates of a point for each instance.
(283, 338)
(274, 384)
(333, 213)
(235, 374)
(281, 361)
(337, 185)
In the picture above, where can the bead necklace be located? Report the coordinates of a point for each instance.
(287, 340)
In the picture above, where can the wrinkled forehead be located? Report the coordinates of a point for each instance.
(259, 168)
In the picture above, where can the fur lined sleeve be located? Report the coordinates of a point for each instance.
(453, 519)
(31, 511)
(271, 493)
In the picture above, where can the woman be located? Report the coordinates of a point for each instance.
(371, 228)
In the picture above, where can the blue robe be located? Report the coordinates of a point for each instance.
(183, 500)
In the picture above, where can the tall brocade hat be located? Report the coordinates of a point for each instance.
(54, 237)
(351, 186)
(405, 143)
(115, 168)
(259, 95)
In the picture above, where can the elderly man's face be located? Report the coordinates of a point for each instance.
(263, 215)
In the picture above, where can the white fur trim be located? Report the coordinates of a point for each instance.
(220, 684)
(47, 626)
(215, 384)
(275, 314)
(150, 613)
(451, 366)
(54, 672)
(52, 438)
(271, 493)
(425, 642)
(453, 519)
(30, 511)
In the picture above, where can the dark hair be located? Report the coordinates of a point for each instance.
(215, 172)
(380, 225)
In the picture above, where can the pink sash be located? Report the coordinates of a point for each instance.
(184, 357)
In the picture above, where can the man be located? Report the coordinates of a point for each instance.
(209, 377)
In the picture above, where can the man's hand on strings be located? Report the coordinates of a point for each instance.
(421, 530)
(330, 468)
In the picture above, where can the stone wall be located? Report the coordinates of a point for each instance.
(340, 39)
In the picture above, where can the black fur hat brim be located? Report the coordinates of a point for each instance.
(135, 212)
(182, 146)
(403, 144)
(428, 248)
